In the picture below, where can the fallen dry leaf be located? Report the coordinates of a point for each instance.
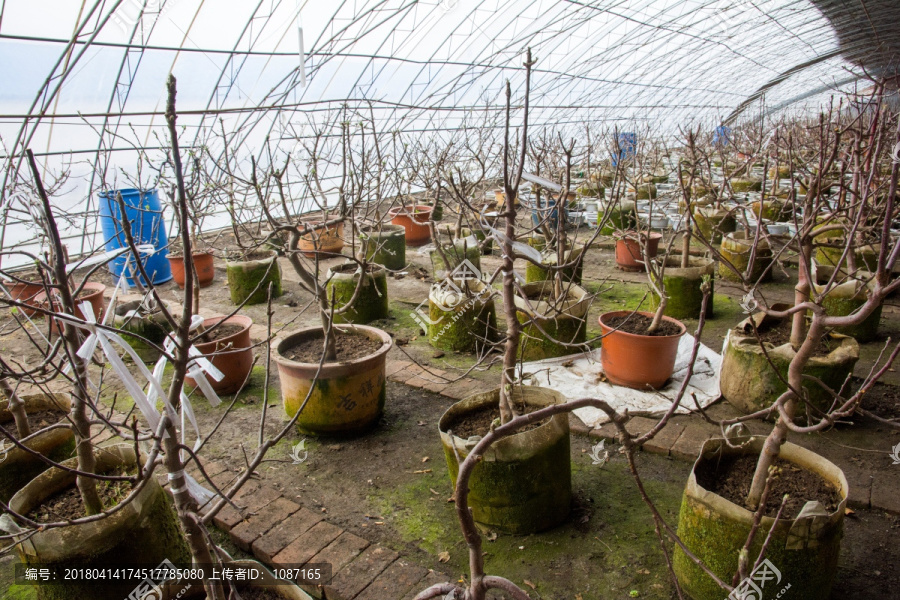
(425, 459)
(433, 491)
(491, 536)
(444, 557)
(531, 585)
(578, 597)
(849, 511)
(422, 471)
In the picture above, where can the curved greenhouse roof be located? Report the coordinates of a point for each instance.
(87, 77)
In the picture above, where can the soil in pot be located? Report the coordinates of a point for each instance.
(347, 346)
(249, 277)
(221, 332)
(478, 422)
(638, 324)
(67, 504)
(731, 478)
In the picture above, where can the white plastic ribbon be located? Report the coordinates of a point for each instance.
(518, 247)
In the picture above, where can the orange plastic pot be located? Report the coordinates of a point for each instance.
(203, 262)
(630, 252)
(415, 223)
(323, 242)
(26, 293)
(232, 355)
(638, 361)
(92, 292)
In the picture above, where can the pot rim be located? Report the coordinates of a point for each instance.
(630, 235)
(173, 256)
(754, 446)
(649, 315)
(342, 271)
(270, 256)
(244, 321)
(575, 306)
(381, 230)
(351, 366)
(418, 209)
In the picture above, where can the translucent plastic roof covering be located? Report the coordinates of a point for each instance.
(77, 68)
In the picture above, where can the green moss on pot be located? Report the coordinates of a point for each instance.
(572, 274)
(249, 279)
(741, 185)
(138, 325)
(845, 298)
(371, 302)
(618, 217)
(736, 249)
(683, 288)
(455, 253)
(715, 530)
(385, 245)
(713, 222)
(561, 320)
(462, 317)
(524, 482)
(645, 191)
(749, 383)
(145, 532)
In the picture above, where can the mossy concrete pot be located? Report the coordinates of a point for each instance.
(736, 249)
(385, 245)
(645, 191)
(713, 222)
(19, 466)
(616, 216)
(455, 253)
(562, 320)
(804, 550)
(749, 383)
(145, 331)
(742, 185)
(144, 532)
(462, 316)
(249, 279)
(572, 274)
(683, 286)
(346, 397)
(845, 298)
(523, 484)
(772, 210)
(371, 302)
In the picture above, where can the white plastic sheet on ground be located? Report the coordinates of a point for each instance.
(579, 376)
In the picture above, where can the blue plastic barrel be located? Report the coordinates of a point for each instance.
(548, 211)
(148, 226)
(627, 144)
(722, 135)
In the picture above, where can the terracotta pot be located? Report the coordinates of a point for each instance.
(323, 242)
(638, 361)
(347, 397)
(203, 262)
(232, 355)
(630, 253)
(26, 293)
(415, 223)
(92, 292)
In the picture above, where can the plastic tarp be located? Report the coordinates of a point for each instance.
(581, 376)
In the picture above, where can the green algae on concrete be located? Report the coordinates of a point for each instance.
(616, 216)
(846, 296)
(523, 484)
(385, 245)
(804, 551)
(249, 279)
(462, 318)
(742, 185)
(683, 288)
(370, 304)
(561, 320)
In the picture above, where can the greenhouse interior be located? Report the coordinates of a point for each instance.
(453, 299)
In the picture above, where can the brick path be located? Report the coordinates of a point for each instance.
(279, 531)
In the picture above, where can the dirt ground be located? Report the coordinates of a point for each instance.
(391, 485)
